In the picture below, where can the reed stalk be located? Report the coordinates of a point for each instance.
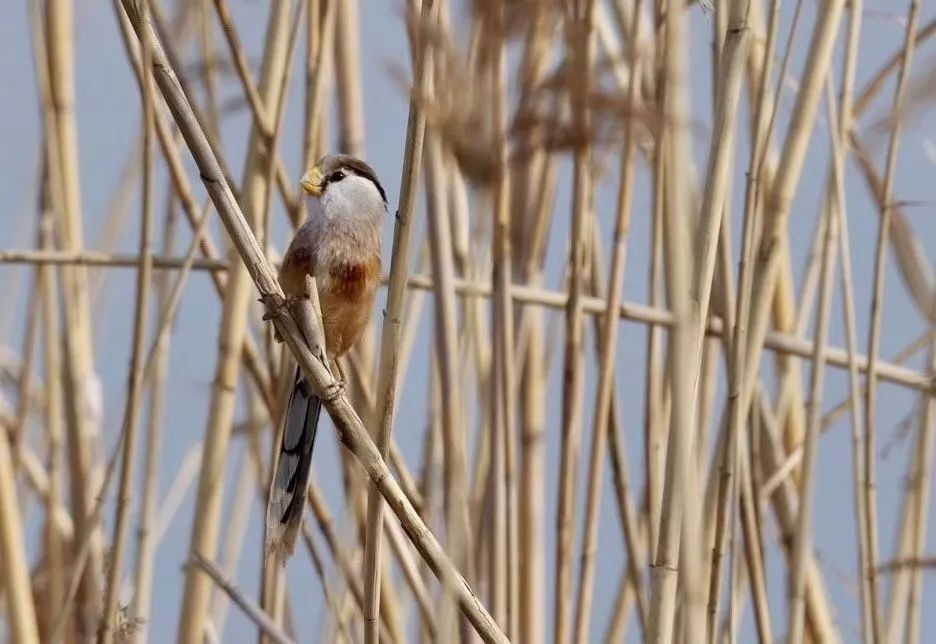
(837, 197)
(455, 484)
(146, 544)
(19, 599)
(678, 554)
(110, 622)
(920, 479)
(580, 48)
(802, 543)
(56, 538)
(205, 527)
(608, 353)
(80, 377)
(732, 57)
(870, 406)
(391, 331)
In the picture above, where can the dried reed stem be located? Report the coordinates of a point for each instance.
(453, 429)
(108, 625)
(579, 45)
(263, 621)
(802, 540)
(529, 187)
(785, 502)
(348, 77)
(80, 378)
(678, 550)
(870, 452)
(56, 539)
(713, 202)
(505, 559)
(19, 599)
(194, 604)
(319, 61)
(636, 552)
(778, 200)
(920, 478)
(838, 206)
(264, 121)
(183, 190)
(608, 352)
(146, 544)
(391, 332)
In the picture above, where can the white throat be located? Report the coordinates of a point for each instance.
(348, 214)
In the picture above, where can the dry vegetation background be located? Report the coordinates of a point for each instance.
(657, 353)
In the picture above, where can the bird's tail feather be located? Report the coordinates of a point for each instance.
(291, 471)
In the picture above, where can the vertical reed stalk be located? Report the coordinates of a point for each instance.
(580, 51)
(391, 332)
(838, 206)
(56, 540)
(713, 203)
(348, 77)
(504, 567)
(608, 332)
(80, 396)
(458, 542)
(627, 514)
(921, 478)
(146, 544)
(109, 623)
(678, 551)
(19, 599)
(802, 540)
(870, 452)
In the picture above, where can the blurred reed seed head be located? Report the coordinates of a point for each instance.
(458, 107)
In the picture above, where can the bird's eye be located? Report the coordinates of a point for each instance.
(337, 175)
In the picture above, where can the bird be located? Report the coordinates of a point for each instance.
(340, 246)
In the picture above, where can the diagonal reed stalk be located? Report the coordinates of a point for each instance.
(205, 527)
(350, 427)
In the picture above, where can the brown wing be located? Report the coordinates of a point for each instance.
(298, 262)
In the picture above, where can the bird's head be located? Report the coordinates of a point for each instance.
(345, 180)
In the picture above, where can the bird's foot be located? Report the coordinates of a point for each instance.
(334, 391)
(275, 306)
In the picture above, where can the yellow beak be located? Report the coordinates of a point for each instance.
(312, 182)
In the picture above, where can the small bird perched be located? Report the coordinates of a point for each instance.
(338, 245)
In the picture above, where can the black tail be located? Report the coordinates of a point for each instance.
(293, 464)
